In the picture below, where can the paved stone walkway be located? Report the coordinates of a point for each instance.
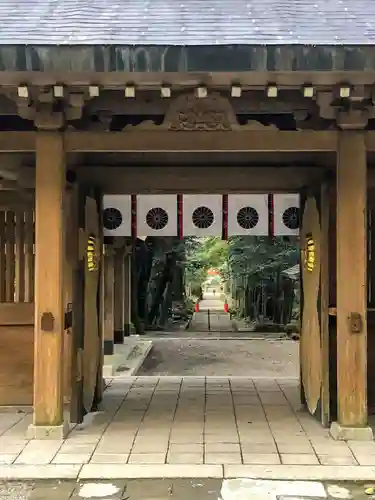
(211, 316)
(189, 427)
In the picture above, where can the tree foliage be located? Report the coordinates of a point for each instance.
(203, 254)
(261, 256)
(162, 267)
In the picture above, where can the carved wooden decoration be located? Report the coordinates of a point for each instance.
(188, 113)
(311, 359)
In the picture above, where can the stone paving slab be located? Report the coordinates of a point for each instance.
(189, 427)
(145, 471)
(127, 358)
(46, 471)
(181, 489)
(172, 471)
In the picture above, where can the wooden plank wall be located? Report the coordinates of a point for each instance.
(16, 307)
(371, 301)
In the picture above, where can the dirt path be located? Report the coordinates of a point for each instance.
(253, 358)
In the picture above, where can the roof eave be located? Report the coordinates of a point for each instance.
(173, 58)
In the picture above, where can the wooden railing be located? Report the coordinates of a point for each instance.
(16, 267)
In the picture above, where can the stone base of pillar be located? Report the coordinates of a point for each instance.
(108, 347)
(127, 330)
(342, 433)
(109, 367)
(48, 431)
(118, 336)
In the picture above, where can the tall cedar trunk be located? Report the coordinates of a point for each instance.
(178, 288)
(165, 278)
(166, 305)
(141, 259)
(146, 254)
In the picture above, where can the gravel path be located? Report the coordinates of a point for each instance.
(253, 358)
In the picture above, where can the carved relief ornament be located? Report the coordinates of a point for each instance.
(188, 113)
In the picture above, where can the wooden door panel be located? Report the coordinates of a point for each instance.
(91, 312)
(314, 343)
(310, 337)
(86, 362)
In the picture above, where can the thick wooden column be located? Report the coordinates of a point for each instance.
(49, 286)
(127, 292)
(108, 306)
(119, 296)
(351, 287)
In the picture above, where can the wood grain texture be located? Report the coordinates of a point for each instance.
(3, 276)
(166, 140)
(175, 141)
(351, 278)
(311, 361)
(20, 257)
(10, 257)
(187, 179)
(16, 365)
(29, 256)
(13, 313)
(91, 313)
(49, 286)
(119, 298)
(108, 313)
(324, 301)
(69, 268)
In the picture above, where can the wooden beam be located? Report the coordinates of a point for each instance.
(166, 140)
(49, 286)
(231, 179)
(351, 280)
(108, 306)
(119, 296)
(17, 142)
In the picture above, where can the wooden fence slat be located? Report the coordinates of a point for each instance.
(29, 256)
(20, 257)
(2, 258)
(10, 270)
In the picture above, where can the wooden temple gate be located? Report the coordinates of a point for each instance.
(328, 220)
(309, 132)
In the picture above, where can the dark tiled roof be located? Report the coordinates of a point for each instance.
(187, 22)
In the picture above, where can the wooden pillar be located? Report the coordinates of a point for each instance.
(108, 306)
(351, 288)
(127, 293)
(49, 287)
(119, 296)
